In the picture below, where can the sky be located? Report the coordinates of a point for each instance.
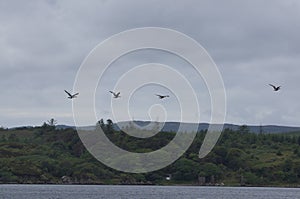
(253, 43)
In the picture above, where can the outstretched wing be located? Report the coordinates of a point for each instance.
(118, 94)
(272, 85)
(112, 92)
(162, 96)
(75, 94)
(68, 93)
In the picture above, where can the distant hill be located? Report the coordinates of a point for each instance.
(188, 127)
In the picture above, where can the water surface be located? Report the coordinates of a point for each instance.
(138, 192)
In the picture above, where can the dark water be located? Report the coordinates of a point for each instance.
(137, 192)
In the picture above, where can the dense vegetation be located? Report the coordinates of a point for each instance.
(49, 155)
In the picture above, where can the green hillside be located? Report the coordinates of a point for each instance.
(48, 155)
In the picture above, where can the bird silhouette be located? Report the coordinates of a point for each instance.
(162, 96)
(275, 88)
(70, 96)
(116, 95)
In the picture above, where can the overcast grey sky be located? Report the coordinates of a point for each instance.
(253, 43)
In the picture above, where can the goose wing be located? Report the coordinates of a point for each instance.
(273, 86)
(68, 93)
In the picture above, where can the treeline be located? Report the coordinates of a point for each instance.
(49, 155)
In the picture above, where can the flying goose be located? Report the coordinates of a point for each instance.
(116, 95)
(275, 88)
(70, 96)
(162, 96)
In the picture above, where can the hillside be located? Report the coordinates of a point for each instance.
(49, 155)
(188, 127)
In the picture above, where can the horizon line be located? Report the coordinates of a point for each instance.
(185, 122)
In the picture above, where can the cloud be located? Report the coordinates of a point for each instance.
(254, 43)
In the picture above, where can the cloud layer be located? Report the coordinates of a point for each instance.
(253, 43)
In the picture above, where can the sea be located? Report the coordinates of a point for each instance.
(143, 192)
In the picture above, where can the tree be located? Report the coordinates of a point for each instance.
(52, 122)
(235, 159)
(100, 125)
(244, 129)
(186, 170)
(2, 128)
(210, 169)
(109, 125)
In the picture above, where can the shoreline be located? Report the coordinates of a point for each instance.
(162, 185)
